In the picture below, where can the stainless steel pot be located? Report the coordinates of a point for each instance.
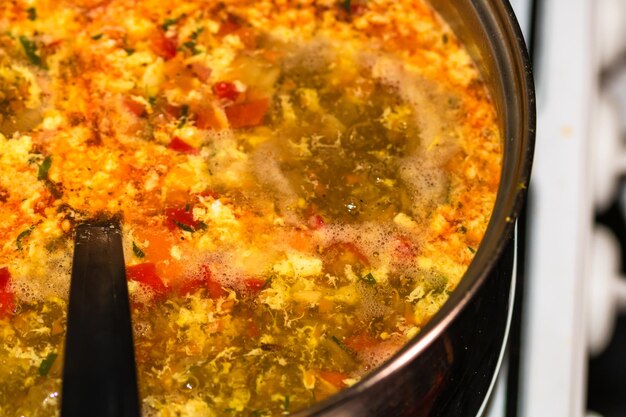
(447, 370)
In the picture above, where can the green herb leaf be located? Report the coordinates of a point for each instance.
(32, 13)
(170, 22)
(30, 49)
(21, 236)
(268, 282)
(46, 364)
(202, 226)
(191, 45)
(471, 249)
(286, 403)
(338, 342)
(53, 188)
(347, 5)
(369, 279)
(184, 227)
(137, 251)
(184, 114)
(44, 167)
(196, 33)
(97, 37)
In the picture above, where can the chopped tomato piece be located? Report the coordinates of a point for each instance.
(226, 90)
(180, 218)
(7, 303)
(135, 107)
(248, 114)
(360, 342)
(253, 330)
(405, 249)
(254, 284)
(316, 222)
(231, 25)
(7, 299)
(201, 71)
(179, 145)
(215, 288)
(146, 274)
(164, 46)
(208, 118)
(5, 276)
(345, 253)
(334, 378)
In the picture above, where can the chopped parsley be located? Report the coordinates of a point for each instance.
(184, 115)
(97, 37)
(369, 279)
(32, 13)
(30, 49)
(471, 249)
(22, 236)
(137, 251)
(268, 282)
(44, 167)
(184, 226)
(46, 364)
(170, 22)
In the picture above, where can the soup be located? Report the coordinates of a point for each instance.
(301, 186)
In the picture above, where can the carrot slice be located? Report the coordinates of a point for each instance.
(334, 378)
(248, 114)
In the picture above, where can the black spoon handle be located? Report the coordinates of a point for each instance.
(99, 376)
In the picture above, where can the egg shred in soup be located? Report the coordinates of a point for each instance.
(301, 185)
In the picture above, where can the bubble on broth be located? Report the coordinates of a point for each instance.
(46, 275)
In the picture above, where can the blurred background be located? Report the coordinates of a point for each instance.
(567, 345)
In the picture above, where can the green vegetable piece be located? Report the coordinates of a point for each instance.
(268, 282)
(196, 33)
(286, 403)
(30, 49)
(471, 249)
(184, 114)
(32, 13)
(170, 22)
(137, 251)
(369, 279)
(21, 236)
(44, 167)
(347, 5)
(202, 226)
(184, 227)
(46, 364)
(97, 37)
(191, 45)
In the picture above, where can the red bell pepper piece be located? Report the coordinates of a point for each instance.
(146, 274)
(178, 145)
